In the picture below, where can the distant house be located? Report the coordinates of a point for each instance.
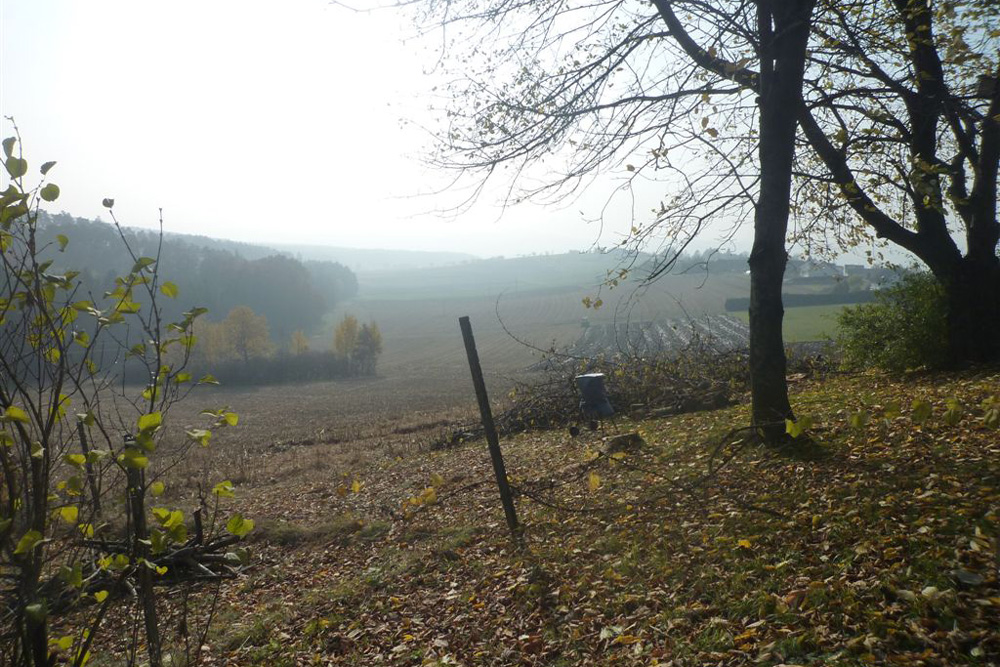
(813, 269)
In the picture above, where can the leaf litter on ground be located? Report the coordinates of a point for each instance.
(867, 541)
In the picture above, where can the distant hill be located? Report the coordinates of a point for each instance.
(356, 259)
(365, 259)
(489, 277)
(239, 248)
(211, 273)
(534, 273)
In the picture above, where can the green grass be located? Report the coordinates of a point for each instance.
(807, 323)
(337, 530)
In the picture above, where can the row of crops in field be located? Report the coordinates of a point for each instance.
(513, 317)
(714, 333)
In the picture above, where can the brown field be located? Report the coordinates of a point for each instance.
(423, 387)
(421, 331)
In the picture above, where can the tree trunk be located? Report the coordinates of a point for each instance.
(769, 389)
(140, 551)
(35, 625)
(973, 293)
(782, 66)
(36, 633)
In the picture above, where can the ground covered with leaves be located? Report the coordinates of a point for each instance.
(872, 539)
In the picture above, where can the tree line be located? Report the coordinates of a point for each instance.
(293, 295)
(239, 350)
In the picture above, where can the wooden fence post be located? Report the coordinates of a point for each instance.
(506, 497)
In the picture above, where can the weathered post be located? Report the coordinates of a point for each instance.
(199, 531)
(488, 426)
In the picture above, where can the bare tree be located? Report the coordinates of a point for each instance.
(898, 117)
(902, 115)
(663, 92)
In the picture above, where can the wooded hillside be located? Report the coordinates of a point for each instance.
(210, 273)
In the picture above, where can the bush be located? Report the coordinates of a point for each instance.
(79, 457)
(282, 368)
(699, 378)
(904, 328)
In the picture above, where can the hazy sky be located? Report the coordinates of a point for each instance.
(251, 120)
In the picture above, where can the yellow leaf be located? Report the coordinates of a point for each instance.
(16, 414)
(745, 544)
(28, 542)
(356, 486)
(75, 459)
(150, 422)
(429, 496)
(437, 480)
(593, 481)
(101, 596)
(626, 639)
(169, 289)
(69, 513)
(224, 490)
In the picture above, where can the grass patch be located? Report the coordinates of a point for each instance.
(338, 530)
(806, 323)
(459, 537)
(257, 630)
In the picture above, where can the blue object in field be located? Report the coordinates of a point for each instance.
(593, 395)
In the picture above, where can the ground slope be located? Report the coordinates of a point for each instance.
(874, 544)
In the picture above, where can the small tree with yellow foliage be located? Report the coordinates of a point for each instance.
(246, 333)
(368, 348)
(345, 337)
(300, 344)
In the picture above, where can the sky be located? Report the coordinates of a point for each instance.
(253, 120)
